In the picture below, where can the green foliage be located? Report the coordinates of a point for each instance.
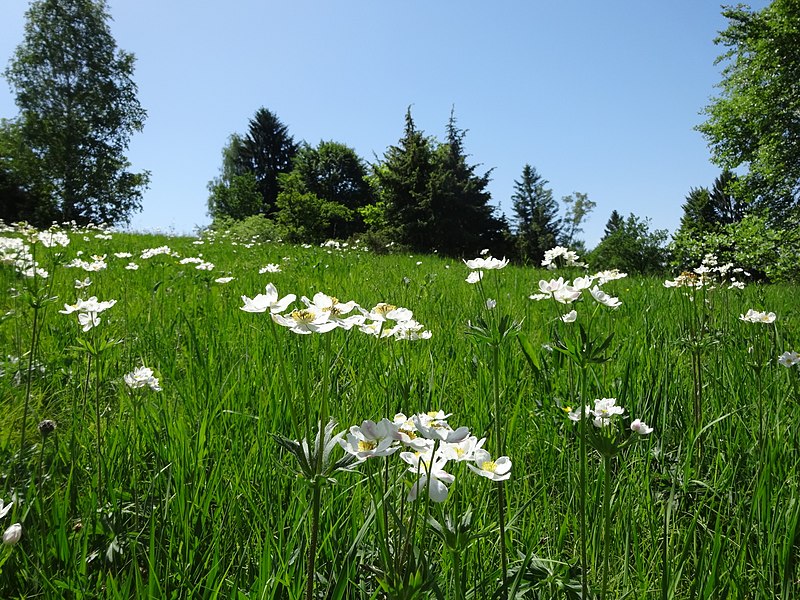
(306, 216)
(434, 199)
(537, 227)
(708, 210)
(255, 228)
(753, 122)
(578, 208)
(320, 199)
(259, 157)
(237, 197)
(756, 244)
(78, 109)
(630, 246)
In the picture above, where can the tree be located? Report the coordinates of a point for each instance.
(536, 224)
(266, 151)
(630, 246)
(320, 199)
(403, 179)
(578, 208)
(615, 223)
(78, 110)
(754, 122)
(463, 221)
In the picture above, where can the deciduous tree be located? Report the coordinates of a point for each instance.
(78, 110)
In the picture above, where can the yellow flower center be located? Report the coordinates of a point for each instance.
(303, 316)
(383, 308)
(489, 465)
(367, 445)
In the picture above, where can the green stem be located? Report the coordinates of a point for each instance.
(582, 495)
(312, 547)
(31, 354)
(606, 522)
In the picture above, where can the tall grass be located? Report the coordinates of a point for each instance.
(198, 500)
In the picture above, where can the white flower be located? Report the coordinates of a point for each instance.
(496, 470)
(4, 508)
(605, 410)
(486, 263)
(604, 298)
(12, 535)
(371, 439)
(305, 321)
(87, 311)
(428, 469)
(789, 359)
(79, 285)
(490, 303)
(123, 254)
(640, 427)
(582, 283)
(132, 266)
(224, 279)
(753, 316)
(53, 238)
(550, 287)
(606, 276)
(270, 268)
(438, 429)
(570, 317)
(566, 295)
(270, 301)
(142, 377)
(463, 450)
(474, 276)
(576, 414)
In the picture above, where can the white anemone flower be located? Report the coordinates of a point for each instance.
(640, 427)
(551, 287)
(4, 508)
(605, 299)
(496, 470)
(566, 295)
(789, 359)
(438, 429)
(269, 301)
(432, 476)
(384, 311)
(305, 321)
(270, 268)
(463, 450)
(474, 276)
(753, 316)
(570, 317)
(488, 263)
(605, 411)
(370, 439)
(142, 377)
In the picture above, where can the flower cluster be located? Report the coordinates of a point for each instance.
(87, 311)
(753, 316)
(324, 313)
(606, 413)
(708, 275)
(559, 254)
(427, 443)
(142, 377)
(565, 292)
(15, 252)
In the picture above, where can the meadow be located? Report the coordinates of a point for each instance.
(192, 479)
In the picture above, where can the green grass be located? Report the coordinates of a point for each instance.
(197, 500)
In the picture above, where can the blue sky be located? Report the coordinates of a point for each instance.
(600, 97)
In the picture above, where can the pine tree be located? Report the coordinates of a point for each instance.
(615, 223)
(536, 224)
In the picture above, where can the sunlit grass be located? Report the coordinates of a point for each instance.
(199, 500)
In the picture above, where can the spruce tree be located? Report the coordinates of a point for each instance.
(536, 224)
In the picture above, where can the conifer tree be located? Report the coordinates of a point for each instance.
(536, 224)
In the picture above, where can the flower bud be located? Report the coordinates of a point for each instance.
(47, 427)
(12, 535)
